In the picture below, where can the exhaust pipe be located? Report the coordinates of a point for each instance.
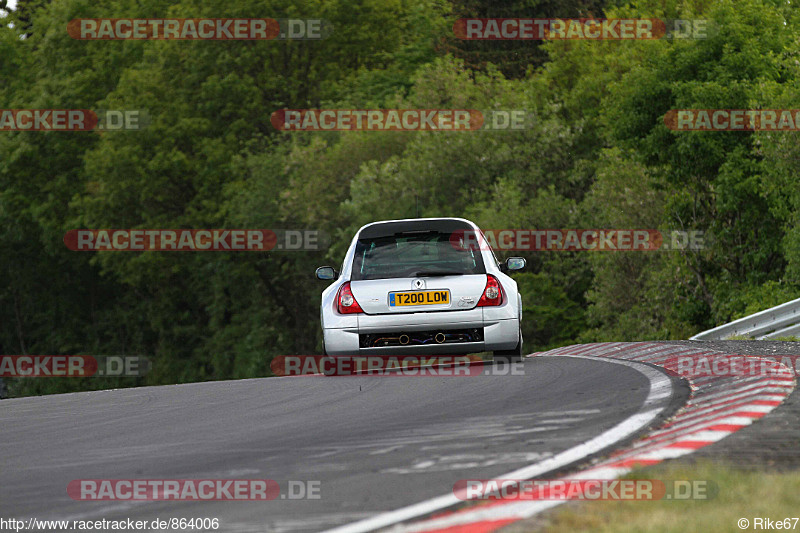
(403, 339)
(439, 338)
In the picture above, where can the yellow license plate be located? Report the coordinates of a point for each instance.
(419, 298)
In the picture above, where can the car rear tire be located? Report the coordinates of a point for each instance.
(509, 356)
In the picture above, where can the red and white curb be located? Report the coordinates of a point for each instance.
(719, 406)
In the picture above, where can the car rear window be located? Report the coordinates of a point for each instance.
(413, 254)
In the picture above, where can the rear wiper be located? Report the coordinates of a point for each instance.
(437, 273)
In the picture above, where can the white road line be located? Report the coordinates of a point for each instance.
(660, 388)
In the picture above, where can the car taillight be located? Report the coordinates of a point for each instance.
(346, 302)
(492, 294)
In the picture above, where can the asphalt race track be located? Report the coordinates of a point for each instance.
(373, 443)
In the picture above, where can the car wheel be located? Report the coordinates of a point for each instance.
(510, 356)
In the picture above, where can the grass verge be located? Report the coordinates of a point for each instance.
(739, 494)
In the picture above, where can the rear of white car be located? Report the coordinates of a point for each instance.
(414, 287)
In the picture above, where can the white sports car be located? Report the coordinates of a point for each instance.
(422, 287)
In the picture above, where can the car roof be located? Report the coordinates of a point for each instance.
(387, 228)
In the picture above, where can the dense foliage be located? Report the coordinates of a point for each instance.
(596, 155)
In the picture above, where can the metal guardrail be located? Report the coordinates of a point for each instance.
(779, 321)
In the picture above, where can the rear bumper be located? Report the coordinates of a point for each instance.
(500, 332)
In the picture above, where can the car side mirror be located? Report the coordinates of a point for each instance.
(326, 273)
(514, 263)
